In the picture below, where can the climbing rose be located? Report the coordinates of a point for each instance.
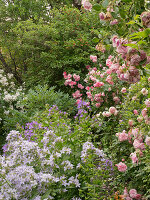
(134, 157)
(123, 136)
(123, 90)
(112, 110)
(135, 112)
(144, 91)
(147, 141)
(147, 102)
(87, 5)
(130, 122)
(115, 21)
(121, 167)
(102, 16)
(93, 58)
(133, 193)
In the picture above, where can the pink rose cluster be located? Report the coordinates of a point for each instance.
(132, 194)
(71, 82)
(101, 84)
(93, 58)
(125, 73)
(132, 57)
(122, 136)
(112, 111)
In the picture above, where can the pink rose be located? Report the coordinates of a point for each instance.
(116, 42)
(128, 198)
(135, 112)
(106, 114)
(147, 102)
(87, 5)
(116, 99)
(77, 94)
(140, 119)
(112, 110)
(144, 112)
(98, 105)
(145, 16)
(123, 136)
(130, 122)
(144, 91)
(133, 193)
(138, 196)
(115, 21)
(102, 16)
(80, 86)
(121, 167)
(138, 145)
(123, 90)
(135, 60)
(147, 140)
(93, 58)
(76, 77)
(98, 84)
(134, 157)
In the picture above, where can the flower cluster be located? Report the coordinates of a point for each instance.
(132, 194)
(131, 57)
(41, 158)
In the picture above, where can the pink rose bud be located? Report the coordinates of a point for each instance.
(121, 167)
(135, 112)
(123, 90)
(102, 16)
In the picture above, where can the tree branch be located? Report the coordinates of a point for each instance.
(8, 69)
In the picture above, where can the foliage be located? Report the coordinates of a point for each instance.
(33, 102)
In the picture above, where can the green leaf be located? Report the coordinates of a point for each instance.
(95, 40)
(97, 7)
(46, 194)
(131, 22)
(136, 17)
(122, 13)
(132, 45)
(105, 3)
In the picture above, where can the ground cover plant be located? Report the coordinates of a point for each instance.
(95, 144)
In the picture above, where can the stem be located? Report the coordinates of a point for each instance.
(6, 180)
